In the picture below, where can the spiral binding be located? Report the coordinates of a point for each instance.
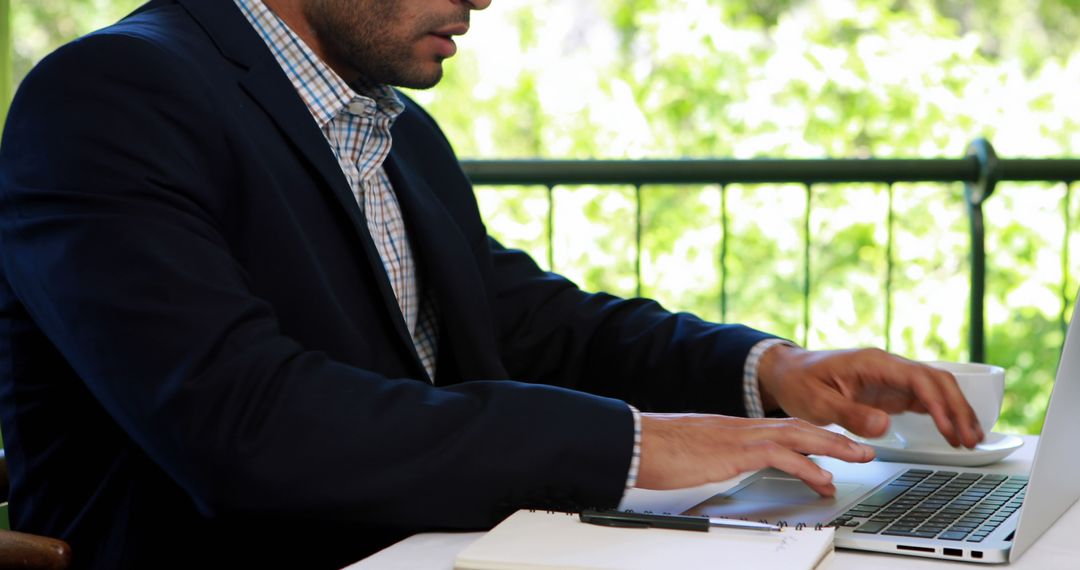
(785, 524)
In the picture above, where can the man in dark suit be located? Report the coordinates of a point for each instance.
(250, 314)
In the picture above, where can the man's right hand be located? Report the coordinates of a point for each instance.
(686, 450)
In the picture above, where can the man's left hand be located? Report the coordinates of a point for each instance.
(859, 388)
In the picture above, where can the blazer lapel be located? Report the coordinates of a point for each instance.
(449, 271)
(268, 86)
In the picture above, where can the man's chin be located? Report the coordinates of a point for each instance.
(420, 79)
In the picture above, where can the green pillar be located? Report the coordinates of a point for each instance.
(5, 59)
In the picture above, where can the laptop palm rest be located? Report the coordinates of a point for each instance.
(773, 495)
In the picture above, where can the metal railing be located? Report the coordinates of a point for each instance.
(980, 171)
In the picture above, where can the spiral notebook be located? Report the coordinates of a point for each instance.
(535, 540)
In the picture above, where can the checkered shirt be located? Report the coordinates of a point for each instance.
(356, 121)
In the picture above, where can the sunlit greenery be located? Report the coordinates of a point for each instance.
(781, 78)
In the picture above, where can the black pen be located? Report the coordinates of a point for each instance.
(629, 519)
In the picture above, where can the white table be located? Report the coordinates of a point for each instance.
(1058, 548)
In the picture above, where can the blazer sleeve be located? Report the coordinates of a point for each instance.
(632, 349)
(552, 332)
(114, 188)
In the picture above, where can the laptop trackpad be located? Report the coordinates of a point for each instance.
(778, 498)
(790, 492)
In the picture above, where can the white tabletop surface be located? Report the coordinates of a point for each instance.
(1058, 548)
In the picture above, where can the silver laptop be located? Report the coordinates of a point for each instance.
(973, 515)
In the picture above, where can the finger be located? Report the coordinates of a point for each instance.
(938, 394)
(858, 418)
(961, 412)
(935, 396)
(762, 454)
(917, 407)
(800, 436)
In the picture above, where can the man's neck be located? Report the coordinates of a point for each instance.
(291, 12)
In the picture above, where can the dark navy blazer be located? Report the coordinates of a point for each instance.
(200, 351)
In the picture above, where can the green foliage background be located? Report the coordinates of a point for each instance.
(782, 78)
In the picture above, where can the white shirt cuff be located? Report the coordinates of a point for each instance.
(635, 459)
(751, 390)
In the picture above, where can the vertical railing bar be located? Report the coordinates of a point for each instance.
(551, 227)
(975, 194)
(976, 337)
(1065, 295)
(637, 238)
(806, 266)
(723, 254)
(889, 261)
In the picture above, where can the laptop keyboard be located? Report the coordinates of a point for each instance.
(938, 504)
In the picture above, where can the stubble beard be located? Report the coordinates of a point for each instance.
(371, 38)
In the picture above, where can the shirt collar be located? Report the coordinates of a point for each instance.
(323, 91)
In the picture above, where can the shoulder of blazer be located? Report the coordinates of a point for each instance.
(204, 31)
(419, 128)
(164, 42)
(421, 148)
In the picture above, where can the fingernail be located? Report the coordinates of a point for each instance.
(825, 476)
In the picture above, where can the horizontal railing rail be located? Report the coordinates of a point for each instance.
(980, 171)
(729, 171)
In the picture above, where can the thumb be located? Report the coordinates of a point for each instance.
(860, 419)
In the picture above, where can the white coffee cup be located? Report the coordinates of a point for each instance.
(984, 387)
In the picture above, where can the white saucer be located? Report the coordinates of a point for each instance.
(994, 448)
